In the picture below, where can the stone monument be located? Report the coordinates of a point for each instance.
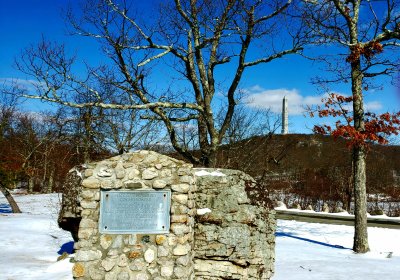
(235, 239)
(148, 216)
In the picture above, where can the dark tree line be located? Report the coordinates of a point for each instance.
(38, 148)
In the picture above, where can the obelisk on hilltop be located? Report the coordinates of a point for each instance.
(285, 116)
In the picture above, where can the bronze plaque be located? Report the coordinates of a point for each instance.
(137, 211)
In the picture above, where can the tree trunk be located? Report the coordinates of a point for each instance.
(350, 186)
(31, 184)
(211, 159)
(10, 199)
(87, 118)
(348, 199)
(360, 244)
(50, 182)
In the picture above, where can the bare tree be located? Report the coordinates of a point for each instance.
(249, 123)
(125, 130)
(205, 45)
(368, 32)
(246, 128)
(7, 113)
(10, 199)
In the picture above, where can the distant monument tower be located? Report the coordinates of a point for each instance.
(285, 116)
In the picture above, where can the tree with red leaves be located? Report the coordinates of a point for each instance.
(369, 43)
(378, 127)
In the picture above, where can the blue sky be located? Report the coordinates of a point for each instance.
(24, 22)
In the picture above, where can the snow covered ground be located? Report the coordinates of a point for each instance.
(30, 242)
(320, 251)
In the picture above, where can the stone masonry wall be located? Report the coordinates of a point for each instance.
(216, 231)
(136, 256)
(233, 238)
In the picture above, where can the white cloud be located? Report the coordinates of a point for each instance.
(258, 97)
(23, 84)
(373, 106)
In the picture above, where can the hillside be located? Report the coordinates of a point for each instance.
(314, 167)
(291, 152)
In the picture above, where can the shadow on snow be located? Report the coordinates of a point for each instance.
(66, 248)
(283, 234)
(5, 208)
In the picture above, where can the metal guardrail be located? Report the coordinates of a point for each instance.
(325, 218)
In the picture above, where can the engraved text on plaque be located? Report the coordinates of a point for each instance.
(125, 212)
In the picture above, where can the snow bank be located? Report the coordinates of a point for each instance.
(283, 208)
(203, 211)
(206, 173)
